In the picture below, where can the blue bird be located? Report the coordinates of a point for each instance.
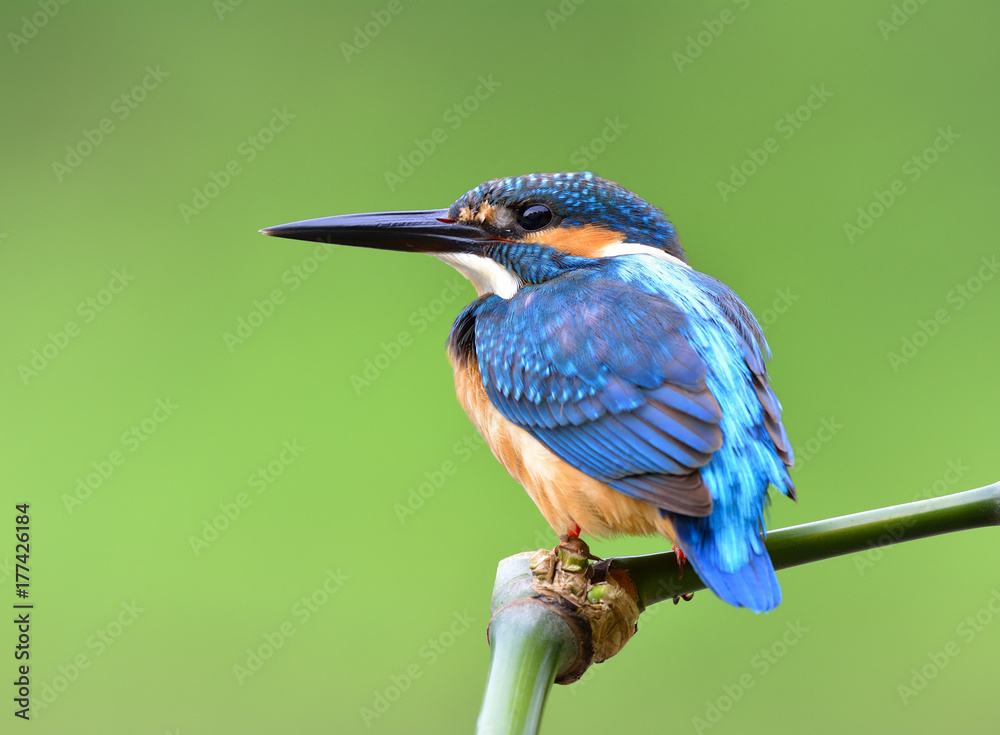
(623, 389)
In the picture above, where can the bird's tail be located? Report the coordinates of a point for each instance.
(752, 584)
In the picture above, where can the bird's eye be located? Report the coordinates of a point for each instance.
(533, 217)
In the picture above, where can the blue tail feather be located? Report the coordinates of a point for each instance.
(753, 585)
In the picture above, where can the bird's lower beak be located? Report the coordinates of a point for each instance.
(428, 231)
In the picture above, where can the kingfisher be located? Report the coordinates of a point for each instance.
(624, 390)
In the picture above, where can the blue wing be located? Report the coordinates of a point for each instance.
(603, 375)
(620, 369)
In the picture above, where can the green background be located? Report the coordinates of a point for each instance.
(834, 310)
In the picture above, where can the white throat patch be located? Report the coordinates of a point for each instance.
(486, 275)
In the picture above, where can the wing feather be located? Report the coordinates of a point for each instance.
(603, 375)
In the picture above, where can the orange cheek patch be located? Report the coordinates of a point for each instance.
(586, 241)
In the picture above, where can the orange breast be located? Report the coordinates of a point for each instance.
(562, 493)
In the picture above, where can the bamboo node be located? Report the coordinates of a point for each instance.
(598, 601)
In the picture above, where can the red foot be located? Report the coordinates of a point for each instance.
(572, 535)
(681, 561)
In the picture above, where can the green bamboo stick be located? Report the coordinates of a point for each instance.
(656, 575)
(530, 643)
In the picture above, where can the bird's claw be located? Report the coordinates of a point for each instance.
(681, 561)
(575, 545)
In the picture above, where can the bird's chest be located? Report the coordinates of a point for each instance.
(564, 495)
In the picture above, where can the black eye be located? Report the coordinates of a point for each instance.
(533, 216)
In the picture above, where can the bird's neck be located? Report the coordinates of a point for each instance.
(507, 266)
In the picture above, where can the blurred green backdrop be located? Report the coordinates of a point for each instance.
(256, 505)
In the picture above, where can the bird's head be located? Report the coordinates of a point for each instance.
(512, 231)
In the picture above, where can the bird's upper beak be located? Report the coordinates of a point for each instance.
(428, 231)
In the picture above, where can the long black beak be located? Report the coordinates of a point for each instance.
(428, 231)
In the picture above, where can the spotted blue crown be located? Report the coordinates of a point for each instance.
(581, 198)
